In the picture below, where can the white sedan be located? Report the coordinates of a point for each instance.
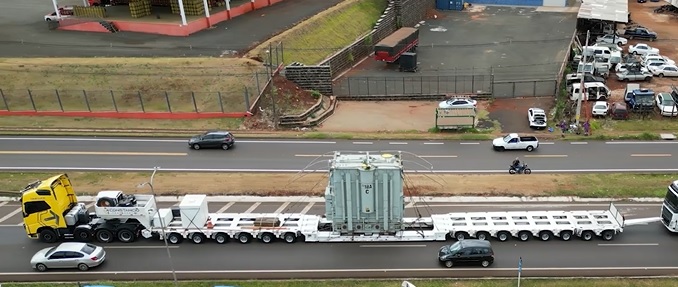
(664, 70)
(458, 103)
(664, 60)
(600, 108)
(666, 104)
(64, 12)
(642, 49)
(612, 39)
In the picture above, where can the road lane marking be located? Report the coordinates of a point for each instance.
(307, 208)
(156, 140)
(282, 207)
(9, 215)
(397, 143)
(93, 153)
(253, 207)
(313, 155)
(651, 155)
(393, 246)
(664, 142)
(437, 156)
(545, 155)
(469, 143)
(227, 206)
(579, 143)
(140, 247)
(435, 143)
(628, 244)
(3, 203)
(362, 142)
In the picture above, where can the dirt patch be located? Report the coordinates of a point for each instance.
(382, 116)
(284, 98)
(512, 113)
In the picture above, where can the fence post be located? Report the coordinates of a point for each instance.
(282, 52)
(256, 78)
(2, 94)
(30, 95)
(61, 106)
(348, 85)
(438, 89)
(421, 85)
(141, 102)
(513, 94)
(403, 81)
(195, 106)
(277, 61)
(368, 85)
(115, 105)
(385, 87)
(84, 93)
(455, 80)
(221, 103)
(169, 107)
(247, 100)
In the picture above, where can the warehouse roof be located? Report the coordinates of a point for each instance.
(607, 10)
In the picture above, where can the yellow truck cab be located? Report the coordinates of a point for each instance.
(47, 207)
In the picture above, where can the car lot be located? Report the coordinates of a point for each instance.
(26, 34)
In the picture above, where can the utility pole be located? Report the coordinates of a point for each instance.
(582, 75)
(162, 224)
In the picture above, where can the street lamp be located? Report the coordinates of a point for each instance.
(162, 224)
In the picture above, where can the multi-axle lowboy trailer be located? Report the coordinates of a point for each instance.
(364, 202)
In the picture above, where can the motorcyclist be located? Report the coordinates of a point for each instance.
(516, 164)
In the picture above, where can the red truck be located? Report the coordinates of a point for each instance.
(404, 40)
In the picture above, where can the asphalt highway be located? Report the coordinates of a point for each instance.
(132, 154)
(641, 250)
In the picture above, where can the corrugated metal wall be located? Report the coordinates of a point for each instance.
(509, 2)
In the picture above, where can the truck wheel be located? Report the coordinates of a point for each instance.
(104, 236)
(529, 148)
(126, 236)
(565, 235)
(48, 236)
(174, 238)
(524, 236)
(503, 236)
(221, 238)
(267, 238)
(82, 234)
(290, 237)
(587, 235)
(197, 238)
(608, 235)
(244, 238)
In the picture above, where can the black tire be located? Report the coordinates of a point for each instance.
(461, 236)
(661, 75)
(501, 148)
(225, 146)
(620, 44)
(83, 267)
(485, 263)
(449, 264)
(647, 79)
(196, 146)
(48, 236)
(244, 238)
(527, 171)
(126, 236)
(587, 235)
(608, 235)
(529, 148)
(524, 236)
(105, 202)
(104, 236)
(565, 235)
(174, 238)
(48, 20)
(221, 238)
(197, 238)
(267, 238)
(82, 234)
(545, 235)
(290, 237)
(503, 236)
(482, 235)
(512, 171)
(41, 267)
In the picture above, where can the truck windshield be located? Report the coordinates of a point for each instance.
(671, 199)
(645, 99)
(507, 138)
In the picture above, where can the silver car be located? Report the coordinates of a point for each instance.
(69, 255)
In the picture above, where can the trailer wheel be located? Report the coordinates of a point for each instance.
(482, 235)
(82, 234)
(503, 236)
(48, 236)
(104, 236)
(244, 238)
(267, 238)
(608, 235)
(524, 236)
(587, 235)
(461, 236)
(566, 235)
(41, 267)
(174, 238)
(545, 235)
(290, 237)
(126, 235)
(221, 238)
(198, 238)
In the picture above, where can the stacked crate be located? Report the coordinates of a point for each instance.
(89, 12)
(140, 8)
(191, 7)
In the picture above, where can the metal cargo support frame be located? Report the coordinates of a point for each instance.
(455, 118)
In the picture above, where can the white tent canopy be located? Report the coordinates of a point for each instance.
(607, 10)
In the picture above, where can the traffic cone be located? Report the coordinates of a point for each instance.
(209, 223)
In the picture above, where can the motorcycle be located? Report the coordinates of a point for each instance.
(524, 170)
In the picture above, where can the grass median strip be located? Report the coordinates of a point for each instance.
(313, 184)
(620, 282)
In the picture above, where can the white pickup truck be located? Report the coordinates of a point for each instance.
(515, 142)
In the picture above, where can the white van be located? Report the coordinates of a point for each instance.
(592, 91)
(599, 51)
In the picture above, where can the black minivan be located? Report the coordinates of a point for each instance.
(467, 252)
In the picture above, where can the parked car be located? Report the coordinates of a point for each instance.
(642, 49)
(537, 118)
(656, 56)
(458, 103)
(612, 39)
(69, 255)
(666, 104)
(653, 64)
(640, 33)
(577, 77)
(212, 139)
(633, 66)
(64, 12)
(619, 111)
(664, 70)
(600, 108)
(467, 252)
(515, 142)
(631, 75)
